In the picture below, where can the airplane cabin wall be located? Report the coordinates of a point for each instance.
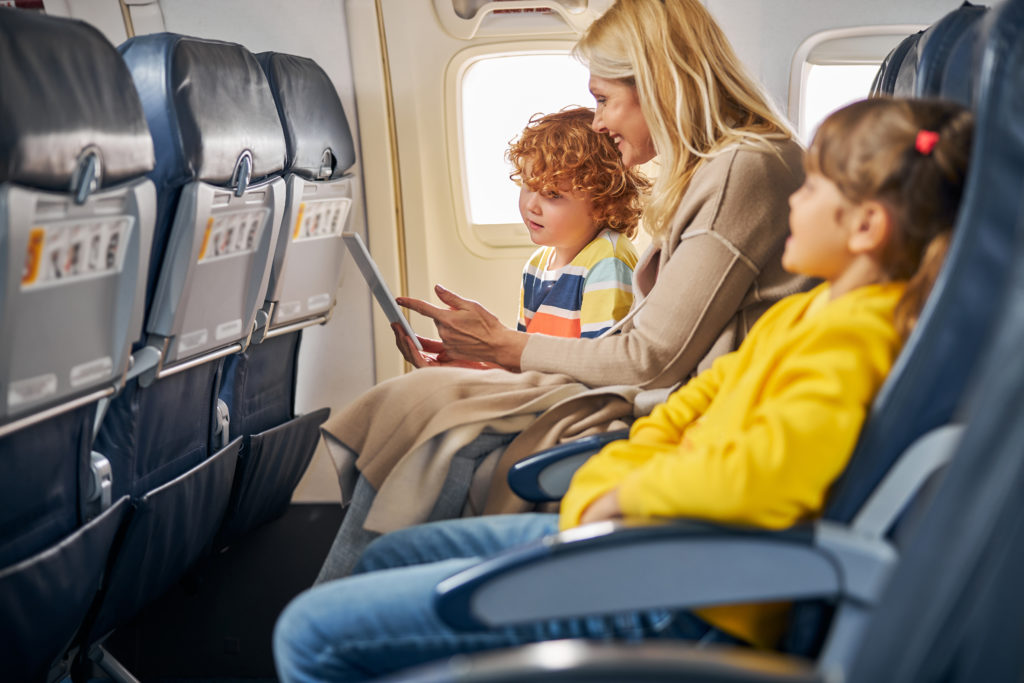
(766, 33)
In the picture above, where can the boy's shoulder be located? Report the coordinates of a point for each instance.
(607, 244)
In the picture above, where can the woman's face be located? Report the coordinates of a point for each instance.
(618, 114)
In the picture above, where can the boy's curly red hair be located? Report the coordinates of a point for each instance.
(564, 153)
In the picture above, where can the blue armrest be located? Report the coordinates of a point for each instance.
(613, 567)
(545, 476)
(579, 660)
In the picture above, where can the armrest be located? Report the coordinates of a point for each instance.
(579, 660)
(545, 476)
(613, 567)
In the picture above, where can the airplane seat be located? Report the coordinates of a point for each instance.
(976, 303)
(885, 81)
(259, 383)
(958, 77)
(941, 45)
(76, 223)
(219, 153)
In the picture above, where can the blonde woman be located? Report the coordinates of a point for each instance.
(438, 442)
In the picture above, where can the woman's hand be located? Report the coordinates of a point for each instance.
(604, 508)
(417, 358)
(469, 332)
(432, 353)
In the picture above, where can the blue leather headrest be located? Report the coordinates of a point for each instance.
(885, 80)
(905, 78)
(958, 76)
(938, 48)
(207, 102)
(316, 131)
(66, 92)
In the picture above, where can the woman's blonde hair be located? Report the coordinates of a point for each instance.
(911, 156)
(562, 151)
(696, 97)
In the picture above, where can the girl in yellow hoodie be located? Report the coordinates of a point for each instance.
(755, 440)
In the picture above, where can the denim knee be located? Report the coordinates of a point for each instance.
(382, 553)
(298, 646)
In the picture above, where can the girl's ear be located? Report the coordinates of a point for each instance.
(872, 229)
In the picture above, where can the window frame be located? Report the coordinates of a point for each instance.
(484, 239)
(800, 65)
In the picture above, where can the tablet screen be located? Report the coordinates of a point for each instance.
(373, 278)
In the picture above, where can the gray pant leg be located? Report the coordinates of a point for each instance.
(452, 499)
(352, 538)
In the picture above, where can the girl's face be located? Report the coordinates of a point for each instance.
(561, 220)
(618, 114)
(820, 229)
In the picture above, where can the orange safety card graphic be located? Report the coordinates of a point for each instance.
(298, 222)
(33, 256)
(206, 238)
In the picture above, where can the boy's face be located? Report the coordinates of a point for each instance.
(561, 220)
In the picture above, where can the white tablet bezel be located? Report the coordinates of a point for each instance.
(361, 255)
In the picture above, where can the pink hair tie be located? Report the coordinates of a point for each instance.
(926, 141)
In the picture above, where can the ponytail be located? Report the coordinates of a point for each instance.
(908, 309)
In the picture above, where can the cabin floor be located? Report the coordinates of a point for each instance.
(216, 624)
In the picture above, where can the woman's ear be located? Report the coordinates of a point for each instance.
(873, 226)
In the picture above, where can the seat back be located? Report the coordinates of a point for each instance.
(76, 223)
(941, 46)
(220, 150)
(259, 383)
(951, 624)
(75, 259)
(892, 66)
(320, 150)
(929, 378)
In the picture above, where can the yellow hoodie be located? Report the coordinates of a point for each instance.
(758, 438)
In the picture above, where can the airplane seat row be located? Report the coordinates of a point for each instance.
(141, 288)
(220, 150)
(259, 383)
(926, 416)
(76, 222)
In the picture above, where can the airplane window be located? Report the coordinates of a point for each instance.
(835, 67)
(498, 97)
(830, 86)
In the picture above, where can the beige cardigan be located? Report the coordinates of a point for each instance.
(717, 271)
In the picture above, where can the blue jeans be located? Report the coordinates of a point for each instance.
(381, 619)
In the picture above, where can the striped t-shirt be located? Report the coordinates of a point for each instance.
(583, 298)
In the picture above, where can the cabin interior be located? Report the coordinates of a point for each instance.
(418, 100)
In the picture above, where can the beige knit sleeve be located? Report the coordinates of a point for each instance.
(736, 219)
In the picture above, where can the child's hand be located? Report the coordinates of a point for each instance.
(604, 508)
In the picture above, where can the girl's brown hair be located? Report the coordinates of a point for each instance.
(875, 150)
(559, 152)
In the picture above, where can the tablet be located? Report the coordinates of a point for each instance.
(380, 290)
